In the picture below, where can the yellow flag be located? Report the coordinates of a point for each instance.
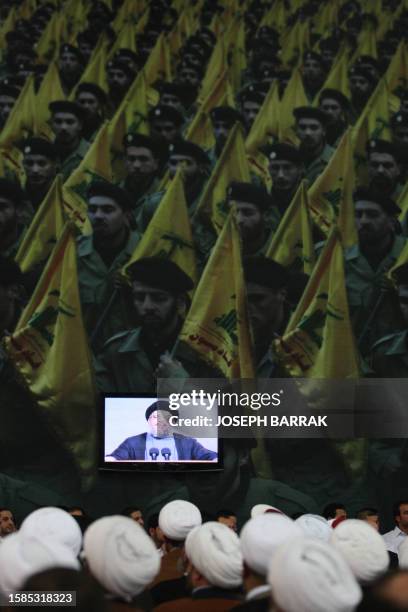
(292, 244)
(50, 90)
(396, 75)
(319, 342)
(54, 34)
(331, 195)
(95, 72)
(45, 229)
(158, 65)
(266, 124)
(49, 350)
(20, 121)
(215, 69)
(338, 75)
(231, 166)
(169, 231)
(216, 327)
(236, 52)
(125, 40)
(295, 42)
(293, 96)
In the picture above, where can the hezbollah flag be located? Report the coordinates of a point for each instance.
(44, 230)
(50, 352)
(169, 233)
(292, 244)
(216, 327)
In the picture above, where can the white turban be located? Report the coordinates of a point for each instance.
(262, 508)
(178, 518)
(362, 547)
(315, 526)
(121, 556)
(23, 555)
(308, 575)
(55, 523)
(261, 537)
(215, 551)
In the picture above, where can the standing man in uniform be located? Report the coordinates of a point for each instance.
(311, 130)
(67, 122)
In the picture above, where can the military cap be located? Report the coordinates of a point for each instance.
(367, 194)
(93, 89)
(39, 146)
(207, 32)
(124, 53)
(141, 140)
(310, 112)
(313, 56)
(401, 275)
(226, 113)
(11, 191)
(180, 90)
(185, 63)
(383, 146)
(165, 112)
(117, 64)
(190, 149)
(335, 94)
(66, 106)
(103, 188)
(252, 94)
(399, 119)
(248, 192)
(366, 59)
(66, 48)
(364, 73)
(159, 405)
(265, 272)
(14, 81)
(284, 151)
(160, 273)
(9, 90)
(10, 273)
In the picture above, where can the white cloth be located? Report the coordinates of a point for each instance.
(264, 590)
(261, 537)
(309, 575)
(403, 554)
(215, 551)
(23, 555)
(262, 508)
(315, 526)
(393, 539)
(54, 523)
(121, 556)
(178, 518)
(363, 548)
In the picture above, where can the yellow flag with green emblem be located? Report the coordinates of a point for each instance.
(293, 96)
(216, 326)
(50, 90)
(49, 350)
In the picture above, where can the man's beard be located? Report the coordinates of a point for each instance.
(138, 183)
(154, 323)
(7, 229)
(382, 183)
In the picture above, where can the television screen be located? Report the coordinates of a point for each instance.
(144, 432)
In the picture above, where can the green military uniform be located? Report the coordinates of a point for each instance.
(364, 290)
(316, 167)
(390, 356)
(96, 288)
(139, 200)
(70, 163)
(11, 251)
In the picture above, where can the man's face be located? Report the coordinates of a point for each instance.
(328, 56)
(285, 175)
(250, 221)
(229, 521)
(383, 171)
(169, 99)
(89, 103)
(66, 127)
(221, 130)
(374, 521)
(189, 76)
(340, 512)
(117, 79)
(155, 308)
(311, 134)
(359, 87)
(7, 524)
(8, 217)
(6, 104)
(332, 109)
(164, 129)
(189, 164)
(159, 423)
(137, 516)
(106, 217)
(266, 309)
(85, 49)
(40, 170)
(69, 63)
(403, 301)
(402, 518)
(372, 223)
(312, 70)
(140, 163)
(250, 111)
(400, 134)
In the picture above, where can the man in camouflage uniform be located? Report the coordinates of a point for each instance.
(384, 168)
(311, 130)
(40, 163)
(287, 170)
(313, 73)
(223, 119)
(92, 99)
(337, 108)
(11, 217)
(165, 123)
(67, 121)
(251, 205)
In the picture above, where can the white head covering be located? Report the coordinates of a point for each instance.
(23, 555)
(262, 508)
(178, 518)
(55, 523)
(315, 526)
(308, 575)
(403, 554)
(121, 556)
(215, 551)
(362, 547)
(261, 537)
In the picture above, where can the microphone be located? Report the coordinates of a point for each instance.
(166, 452)
(154, 453)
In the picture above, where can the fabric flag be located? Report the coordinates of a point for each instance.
(216, 327)
(169, 233)
(331, 195)
(266, 124)
(295, 43)
(44, 230)
(158, 65)
(236, 52)
(50, 352)
(231, 166)
(293, 96)
(292, 244)
(95, 72)
(20, 121)
(396, 75)
(215, 69)
(49, 91)
(53, 35)
(338, 75)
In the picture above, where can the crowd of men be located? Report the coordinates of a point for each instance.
(182, 560)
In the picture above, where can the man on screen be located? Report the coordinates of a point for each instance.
(159, 443)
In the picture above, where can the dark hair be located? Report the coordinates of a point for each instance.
(365, 512)
(129, 509)
(396, 506)
(153, 521)
(330, 510)
(224, 513)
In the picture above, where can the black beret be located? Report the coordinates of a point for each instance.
(314, 56)
(9, 90)
(367, 59)
(93, 89)
(226, 113)
(265, 272)
(166, 113)
(399, 119)
(159, 405)
(310, 112)
(367, 194)
(180, 90)
(71, 49)
(39, 146)
(335, 94)
(362, 72)
(190, 149)
(147, 142)
(190, 66)
(123, 54)
(383, 146)
(10, 273)
(160, 273)
(11, 191)
(252, 94)
(248, 192)
(284, 151)
(117, 64)
(103, 188)
(66, 106)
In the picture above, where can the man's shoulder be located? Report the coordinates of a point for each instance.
(392, 344)
(128, 340)
(135, 440)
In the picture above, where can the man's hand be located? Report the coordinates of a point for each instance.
(169, 367)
